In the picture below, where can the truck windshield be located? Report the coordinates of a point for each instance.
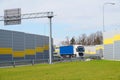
(80, 49)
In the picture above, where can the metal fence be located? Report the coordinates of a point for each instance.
(42, 61)
(22, 62)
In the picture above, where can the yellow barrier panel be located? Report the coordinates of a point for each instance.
(5, 50)
(109, 41)
(99, 47)
(30, 52)
(89, 52)
(92, 52)
(46, 47)
(39, 49)
(86, 52)
(18, 54)
(57, 50)
(117, 37)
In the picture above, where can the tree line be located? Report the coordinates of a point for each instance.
(84, 39)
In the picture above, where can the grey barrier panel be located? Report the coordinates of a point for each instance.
(39, 40)
(30, 44)
(5, 57)
(29, 41)
(108, 51)
(18, 41)
(40, 43)
(5, 42)
(117, 50)
(99, 52)
(5, 39)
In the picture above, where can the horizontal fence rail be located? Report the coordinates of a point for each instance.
(42, 61)
(22, 62)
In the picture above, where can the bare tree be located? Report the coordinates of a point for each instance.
(84, 39)
(66, 42)
(63, 42)
(98, 38)
(92, 39)
(78, 41)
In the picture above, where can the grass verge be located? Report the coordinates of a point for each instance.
(91, 70)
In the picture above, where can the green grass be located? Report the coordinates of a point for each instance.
(91, 70)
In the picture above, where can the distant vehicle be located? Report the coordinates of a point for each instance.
(72, 51)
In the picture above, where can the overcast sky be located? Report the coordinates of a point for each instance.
(72, 17)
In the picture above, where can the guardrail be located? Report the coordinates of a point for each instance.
(39, 61)
(22, 62)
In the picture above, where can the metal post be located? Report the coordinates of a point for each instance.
(33, 62)
(50, 15)
(104, 22)
(14, 64)
(103, 19)
(50, 43)
(103, 29)
(113, 51)
(12, 48)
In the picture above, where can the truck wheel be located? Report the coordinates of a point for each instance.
(81, 54)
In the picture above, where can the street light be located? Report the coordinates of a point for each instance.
(103, 14)
(103, 22)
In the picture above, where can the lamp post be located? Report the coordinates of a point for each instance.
(104, 23)
(103, 14)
